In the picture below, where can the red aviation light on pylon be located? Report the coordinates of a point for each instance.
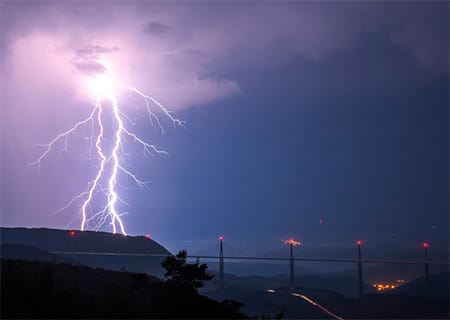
(359, 242)
(72, 233)
(292, 242)
(221, 238)
(425, 244)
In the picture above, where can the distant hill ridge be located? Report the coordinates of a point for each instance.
(27, 243)
(25, 252)
(438, 286)
(84, 241)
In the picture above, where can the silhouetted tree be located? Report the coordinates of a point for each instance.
(181, 273)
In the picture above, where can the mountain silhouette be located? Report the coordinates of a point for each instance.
(91, 248)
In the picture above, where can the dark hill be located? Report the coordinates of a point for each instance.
(96, 249)
(92, 241)
(336, 293)
(20, 251)
(438, 286)
(345, 285)
(50, 290)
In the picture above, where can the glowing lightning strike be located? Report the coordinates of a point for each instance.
(100, 171)
(113, 178)
(109, 162)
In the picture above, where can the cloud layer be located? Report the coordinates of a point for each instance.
(176, 51)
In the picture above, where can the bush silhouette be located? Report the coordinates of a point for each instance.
(183, 274)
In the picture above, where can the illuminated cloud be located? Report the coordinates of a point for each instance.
(178, 51)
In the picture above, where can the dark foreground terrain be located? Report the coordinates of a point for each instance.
(52, 290)
(61, 279)
(409, 302)
(33, 289)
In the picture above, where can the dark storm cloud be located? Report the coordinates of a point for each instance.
(422, 28)
(234, 35)
(93, 51)
(155, 28)
(89, 67)
(86, 59)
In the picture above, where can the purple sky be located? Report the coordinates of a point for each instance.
(192, 56)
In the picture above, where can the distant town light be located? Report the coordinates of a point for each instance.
(148, 236)
(382, 287)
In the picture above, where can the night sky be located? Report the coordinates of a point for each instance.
(295, 113)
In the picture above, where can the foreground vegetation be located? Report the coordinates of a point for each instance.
(33, 289)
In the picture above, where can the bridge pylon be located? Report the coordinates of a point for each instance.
(360, 275)
(221, 262)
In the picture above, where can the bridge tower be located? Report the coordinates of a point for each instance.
(292, 243)
(360, 276)
(291, 265)
(221, 262)
(427, 268)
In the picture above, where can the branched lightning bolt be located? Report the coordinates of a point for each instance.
(60, 136)
(109, 163)
(94, 183)
(112, 195)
